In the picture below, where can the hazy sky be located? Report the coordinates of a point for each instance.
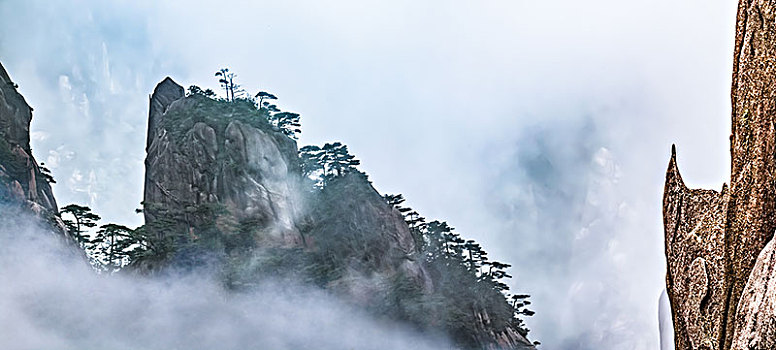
(540, 128)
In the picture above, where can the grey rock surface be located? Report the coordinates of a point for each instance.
(251, 172)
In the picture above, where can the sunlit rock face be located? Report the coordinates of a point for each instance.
(21, 180)
(250, 172)
(718, 273)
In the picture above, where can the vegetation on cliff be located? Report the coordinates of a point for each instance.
(353, 241)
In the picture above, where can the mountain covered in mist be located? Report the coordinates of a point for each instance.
(228, 193)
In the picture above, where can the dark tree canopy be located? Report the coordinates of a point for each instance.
(82, 219)
(111, 246)
(227, 81)
(46, 174)
(287, 122)
(262, 95)
(323, 164)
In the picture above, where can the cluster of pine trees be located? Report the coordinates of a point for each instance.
(447, 252)
(263, 103)
(111, 247)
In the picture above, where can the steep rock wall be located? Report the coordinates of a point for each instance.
(714, 239)
(21, 180)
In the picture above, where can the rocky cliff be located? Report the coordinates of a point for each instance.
(201, 153)
(22, 182)
(718, 270)
(217, 171)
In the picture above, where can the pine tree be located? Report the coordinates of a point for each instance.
(287, 122)
(417, 225)
(312, 164)
(111, 245)
(83, 218)
(262, 95)
(46, 174)
(437, 231)
(227, 80)
(223, 80)
(322, 164)
(337, 160)
(395, 201)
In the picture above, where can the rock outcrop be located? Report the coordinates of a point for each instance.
(198, 156)
(718, 272)
(21, 181)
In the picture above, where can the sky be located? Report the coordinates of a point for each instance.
(542, 129)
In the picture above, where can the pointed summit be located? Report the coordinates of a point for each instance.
(165, 93)
(4, 78)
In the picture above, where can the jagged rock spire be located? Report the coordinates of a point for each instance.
(165, 93)
(715, 238)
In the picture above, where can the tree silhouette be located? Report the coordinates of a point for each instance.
(263, 95)
(226, 80)
(321, 164)
(475, 256)
(110, 246)
(287, 122)
(395, 200)
(46, 174)
(196, 90)
(417, 225)
(83, 218)
(223, 80)
(436, 248)
(337, 160)
(312, 166)
(270, 108)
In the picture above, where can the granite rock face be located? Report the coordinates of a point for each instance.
(21, 180)
(717, 268)
(251, 172)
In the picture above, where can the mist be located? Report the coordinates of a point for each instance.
(51, 299)
(540, 129)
